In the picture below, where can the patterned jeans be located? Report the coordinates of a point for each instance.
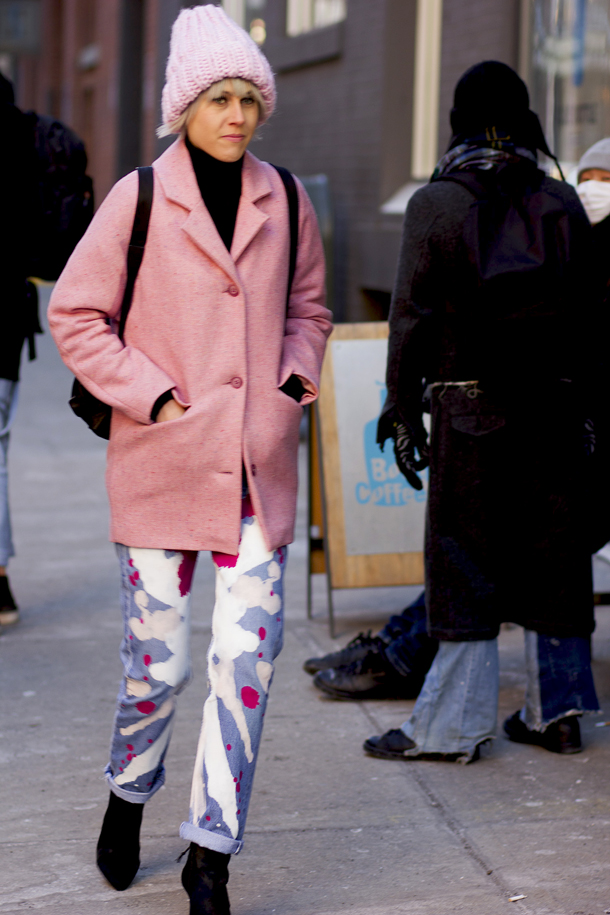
(247, 626)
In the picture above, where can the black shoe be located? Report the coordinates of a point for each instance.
(394, 744)
(355, 650)
(391, 745)
(118, 847)
(205, 877)
(370, 677)
(562, 736)
(9, 612)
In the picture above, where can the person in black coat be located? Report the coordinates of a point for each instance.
(494, 325)
(18, 305)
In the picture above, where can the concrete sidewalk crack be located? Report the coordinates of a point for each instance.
(449, 819)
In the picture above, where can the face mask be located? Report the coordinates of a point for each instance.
(595, 197)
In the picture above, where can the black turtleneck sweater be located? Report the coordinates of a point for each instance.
(220, 186)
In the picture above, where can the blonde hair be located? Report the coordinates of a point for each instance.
(240, 87)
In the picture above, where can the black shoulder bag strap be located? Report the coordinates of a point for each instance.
(137, 242)
(293, 216)
(94, 412)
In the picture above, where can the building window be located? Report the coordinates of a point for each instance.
(569, 72)
(250, 15)
(305, 15)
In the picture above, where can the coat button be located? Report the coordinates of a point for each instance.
(236, 382)
(253, 469)
(233, 290)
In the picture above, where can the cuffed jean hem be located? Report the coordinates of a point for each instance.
(208, 839)
(134, 797)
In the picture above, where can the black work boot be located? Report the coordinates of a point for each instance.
(562, 736)
(205, 877)
(118, 847)
(370, 677)
(353, 651)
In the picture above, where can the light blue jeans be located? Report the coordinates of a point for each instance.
(247, 628)
(8, 407)
(457, 707)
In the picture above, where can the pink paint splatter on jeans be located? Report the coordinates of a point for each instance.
(147, 659)
(186, 570)
(146, 707)
(262, 633)
(249, 697)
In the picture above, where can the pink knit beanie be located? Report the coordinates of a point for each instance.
(206, 47)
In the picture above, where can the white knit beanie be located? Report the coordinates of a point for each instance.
(597, 156)
(206, 47)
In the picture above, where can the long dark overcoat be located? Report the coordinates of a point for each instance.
(506, 530)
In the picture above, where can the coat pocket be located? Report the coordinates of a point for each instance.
(478, 424)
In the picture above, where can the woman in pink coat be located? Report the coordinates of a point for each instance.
(206, 391)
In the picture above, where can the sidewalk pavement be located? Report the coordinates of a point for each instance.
(330, 830)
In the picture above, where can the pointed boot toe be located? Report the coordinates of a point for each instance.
(205, 877)
(118, 847)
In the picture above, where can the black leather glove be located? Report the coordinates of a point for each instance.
(407, 438)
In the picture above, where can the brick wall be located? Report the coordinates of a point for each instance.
(474, 30)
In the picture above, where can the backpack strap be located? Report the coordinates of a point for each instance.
(137, 242)
(293, 216)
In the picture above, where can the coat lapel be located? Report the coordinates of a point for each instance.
(175, 171)
(250, 219)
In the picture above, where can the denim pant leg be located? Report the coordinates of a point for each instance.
(155, 599)
(559, 679)
(457, 707)
(8, 406)
(246, 638)
(403, 622)
(409, 648)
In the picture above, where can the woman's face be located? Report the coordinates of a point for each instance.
(224, 124)
(594, 174)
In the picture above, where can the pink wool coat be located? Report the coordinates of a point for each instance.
(212, 326)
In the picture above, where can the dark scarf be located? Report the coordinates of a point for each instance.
(220, 186)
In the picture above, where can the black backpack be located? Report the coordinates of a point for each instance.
(65, 196)
(525, 254)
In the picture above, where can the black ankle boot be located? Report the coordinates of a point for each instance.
(118, 847)
(562, 736)
(205, 877)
